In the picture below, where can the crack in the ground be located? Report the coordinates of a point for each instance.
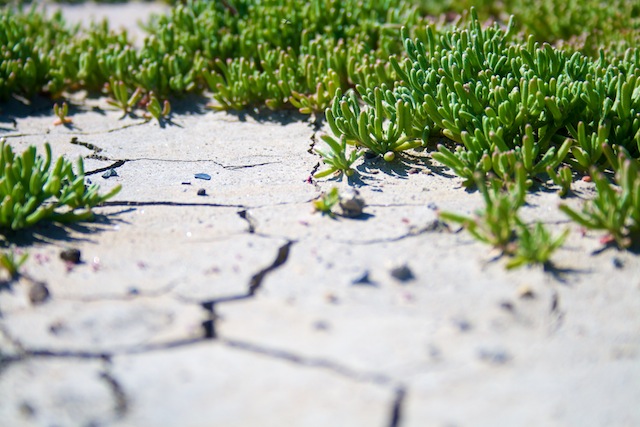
(166, 203)
(119, 396)
(281, 258)
(311, 362)
(251, 221)
(435, 226)
(115, 165)
(396, 409)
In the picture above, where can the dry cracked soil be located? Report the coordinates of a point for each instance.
(228, 302)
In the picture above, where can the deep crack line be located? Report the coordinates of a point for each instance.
(251, 221)
(165, 203)
(115, 165)
(396, 409)
(281, 258)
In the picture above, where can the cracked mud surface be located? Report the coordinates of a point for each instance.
(242, 307)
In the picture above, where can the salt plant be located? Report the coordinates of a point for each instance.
(32, 189)
(615, 207)
(500, 226)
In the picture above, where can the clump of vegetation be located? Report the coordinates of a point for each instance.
(327, 201)
(32, 189)
(615, 208)
(500, 226)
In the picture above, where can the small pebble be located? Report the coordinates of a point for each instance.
(204, 176)
(525, 292)
(617, 262)
(403, 273)
(202, 192)
(109, 173)
(351, 203)
(38, 293)
(321, 325)
(463, 325)
(507, 306)
(413, 171)
(362, 279)
(71, 255)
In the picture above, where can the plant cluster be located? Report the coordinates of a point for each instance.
(32, 189)
(615, 208)
(277, 53)
(500, 226)
(532, 100)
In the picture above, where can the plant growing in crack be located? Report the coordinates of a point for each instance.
(336, 157)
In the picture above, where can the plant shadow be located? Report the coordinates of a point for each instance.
(49, 232)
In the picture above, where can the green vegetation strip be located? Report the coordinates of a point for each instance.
(513, 103)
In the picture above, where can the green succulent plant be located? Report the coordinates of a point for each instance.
(11, 261)
(500, 226)
(32, 189)
(615, 208)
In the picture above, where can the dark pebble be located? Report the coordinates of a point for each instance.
(109, 173)
(362, 279)
(403, 273)
(321, 325)
(202, 192)
(71, 255)
(617, 262)
(38, 293)
(204, 176)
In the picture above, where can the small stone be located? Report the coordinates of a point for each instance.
(108, 174)
(321, 325)
(463, 325)
(402, 273)
(507, 306)
(617, 262)
(525, 292)
(204, 176)
(38, 293)
(413, 171)
(71, 255)
(202, 192)
(362, 279)
(351, 203)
